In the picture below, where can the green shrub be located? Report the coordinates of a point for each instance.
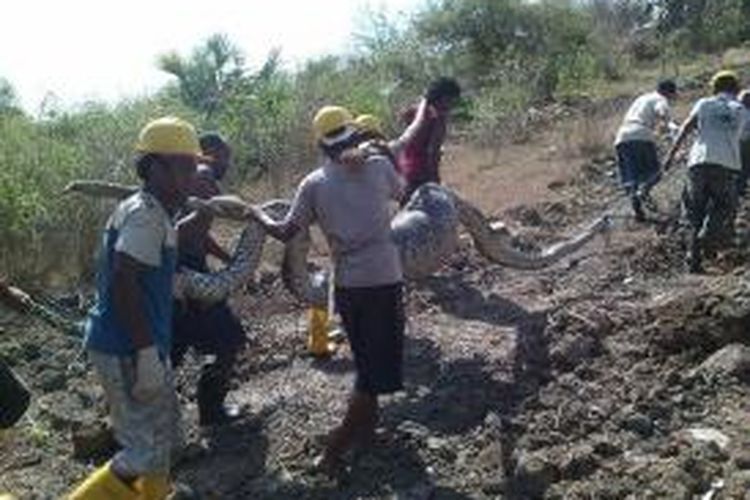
(45, 234)
(509, 55)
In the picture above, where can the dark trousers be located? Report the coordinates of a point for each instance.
(14, 397)
(710, 201)
(638, 163)
(373, 318)
(639, 171)
(745, 173)
(212, 330)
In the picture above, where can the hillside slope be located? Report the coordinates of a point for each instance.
(610, 375)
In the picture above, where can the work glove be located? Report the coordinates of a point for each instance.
(150, 375)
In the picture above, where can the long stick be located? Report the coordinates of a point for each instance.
(21, 302)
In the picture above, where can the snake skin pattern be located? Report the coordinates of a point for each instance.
(425, 231)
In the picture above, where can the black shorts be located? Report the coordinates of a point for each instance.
(373, 318)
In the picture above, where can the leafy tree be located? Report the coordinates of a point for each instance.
(207, 75)
(621, 17)
(8, 98)
(509, 42)
(704, 25)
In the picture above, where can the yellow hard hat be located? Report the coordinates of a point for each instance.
(368, 123)
(330, 119)
(169, 135)
(724, 75)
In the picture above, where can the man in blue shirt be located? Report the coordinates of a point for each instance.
(128, 332)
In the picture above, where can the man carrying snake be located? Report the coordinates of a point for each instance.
(351, 203)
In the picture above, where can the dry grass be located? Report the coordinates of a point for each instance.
(499, 177)
(589, 136)
(696, 67)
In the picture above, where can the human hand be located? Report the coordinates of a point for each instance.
(353, 157)
(254, 213)
(13, 297)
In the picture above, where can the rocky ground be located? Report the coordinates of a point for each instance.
(611, 375)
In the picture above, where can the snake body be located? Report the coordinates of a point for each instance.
(494, 243)
(217, 286)
(425, 232)
(208, 287)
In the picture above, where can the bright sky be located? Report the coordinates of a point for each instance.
(103, 49)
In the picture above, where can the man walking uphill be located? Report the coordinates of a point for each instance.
(635, 144)
(209, 329)
(128, 332)
(351, 204)
(419, 160)
(714, 164)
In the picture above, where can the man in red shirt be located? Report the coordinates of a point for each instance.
(419, 161)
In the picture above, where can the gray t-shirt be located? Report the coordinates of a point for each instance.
(351, 206)
(720, 121)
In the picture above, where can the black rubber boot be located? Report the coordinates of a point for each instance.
(14, 397)
(213, 387)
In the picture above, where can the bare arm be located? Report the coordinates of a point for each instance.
(414, 127)
(128, 301)
(435, 149)
(690, 124)
(213, 248)
(301, 214)
(196, 226)
(193, 226)
(666, 124)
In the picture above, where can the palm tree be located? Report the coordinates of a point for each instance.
(207, 75)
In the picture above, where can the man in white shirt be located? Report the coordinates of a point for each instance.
(635, 143)
(714, 163)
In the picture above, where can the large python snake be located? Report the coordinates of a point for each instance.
(425, 231)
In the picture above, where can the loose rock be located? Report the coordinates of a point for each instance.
(732, 360)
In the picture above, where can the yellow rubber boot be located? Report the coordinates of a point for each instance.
(153, 487)
(317, 336)
(101, 484)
